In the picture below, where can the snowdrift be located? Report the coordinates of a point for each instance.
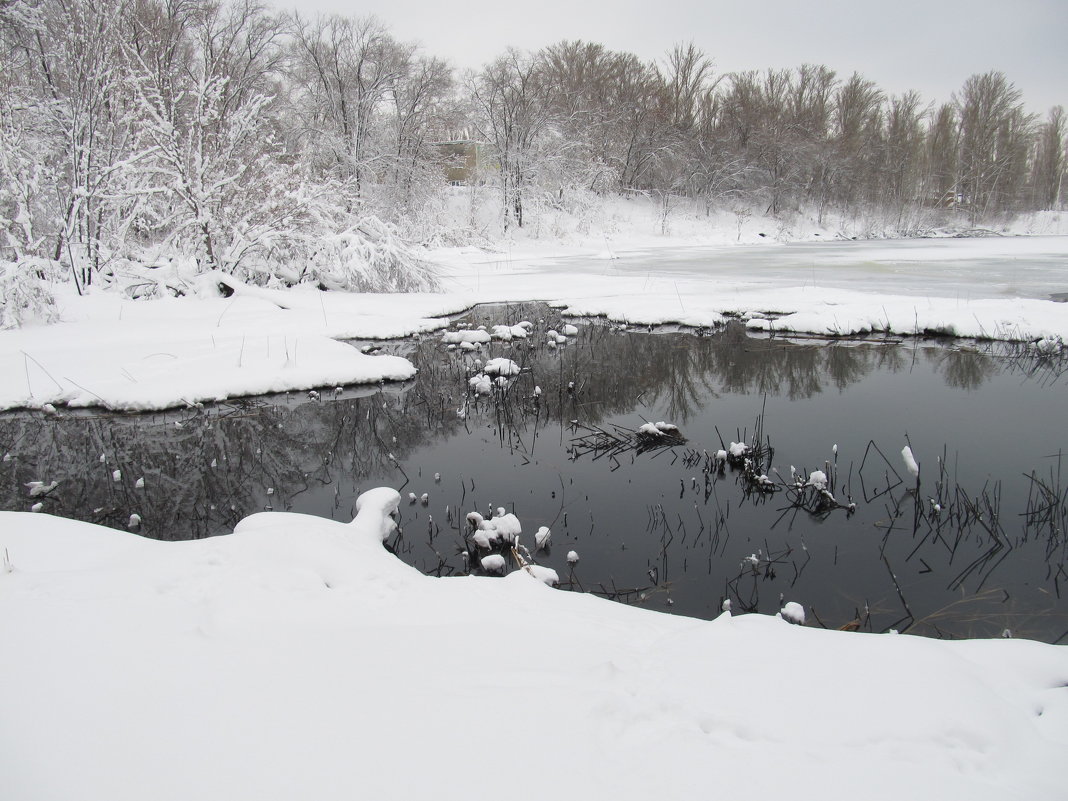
(296, 658)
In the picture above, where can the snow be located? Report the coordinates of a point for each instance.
(817, 479)
(480, 384)
(509, 332)
(494, 563)
(297, 658)
(793, 612)
(472, 336)
(507, 526)
(151, 354)
(159, 354)
(40, 488)
(501, 528)
(910, 462)
(501, 367)
(659, 429)
(546, 575)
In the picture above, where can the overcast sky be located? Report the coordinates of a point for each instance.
(928, 45)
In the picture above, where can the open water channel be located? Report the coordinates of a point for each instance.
(977, 549)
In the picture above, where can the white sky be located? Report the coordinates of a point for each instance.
(928, 45)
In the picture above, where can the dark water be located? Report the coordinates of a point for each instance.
(660, 527)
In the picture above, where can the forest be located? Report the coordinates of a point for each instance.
(285, 148)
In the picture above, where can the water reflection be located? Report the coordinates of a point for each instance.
(966, 369)
(654, 527)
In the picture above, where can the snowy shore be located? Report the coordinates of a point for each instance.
(298, 659)
(110, 351)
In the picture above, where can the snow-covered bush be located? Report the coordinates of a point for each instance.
(26, 293)
(371, 257)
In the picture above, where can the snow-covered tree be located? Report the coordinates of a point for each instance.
(221, 184)
(511, 98)
(76, 47)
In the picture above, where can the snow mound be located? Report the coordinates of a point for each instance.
(472, 336)
(507, 333)
(910, 462)
(263, 660)
(501, 367)
(546, 575)
(793, 612)
(817, 479)
(660, 429)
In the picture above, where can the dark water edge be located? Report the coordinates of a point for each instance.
(660, 526)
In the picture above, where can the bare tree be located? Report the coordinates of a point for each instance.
(858, 129)
(942, 155)
(686, 78)
(902, 166)
(994, 136)
(1049, 162)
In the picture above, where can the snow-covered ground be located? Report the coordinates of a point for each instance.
(149, 354)
(298, 659)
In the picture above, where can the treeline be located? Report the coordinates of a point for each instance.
(307, 149)
(777, 140)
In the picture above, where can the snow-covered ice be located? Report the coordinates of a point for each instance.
(299, 659)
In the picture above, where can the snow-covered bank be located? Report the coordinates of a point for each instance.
(996, 288)
(297, 658)
(152, 354)
(155, 354)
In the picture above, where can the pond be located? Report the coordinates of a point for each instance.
(977, 549)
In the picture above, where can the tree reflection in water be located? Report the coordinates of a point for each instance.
(656, 529)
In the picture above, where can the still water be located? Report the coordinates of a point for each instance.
(662, 527)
